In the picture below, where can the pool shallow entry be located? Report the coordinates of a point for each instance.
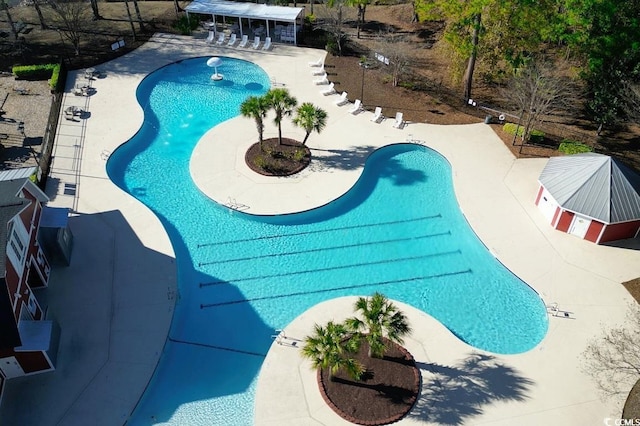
(399, 231)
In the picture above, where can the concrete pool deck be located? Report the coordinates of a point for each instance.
(115, 302)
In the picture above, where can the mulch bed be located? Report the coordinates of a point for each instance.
(275, 159)
(632, 406)
(387, 392)
(633, 287)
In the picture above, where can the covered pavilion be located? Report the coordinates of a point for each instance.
(283, 21)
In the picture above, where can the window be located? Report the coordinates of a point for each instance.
(17, 244)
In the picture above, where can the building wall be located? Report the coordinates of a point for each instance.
(36, 266)
(593, 233)
(564, 222)
(620, 231)
(32, 362)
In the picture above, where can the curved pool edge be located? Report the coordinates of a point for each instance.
(298, 400)
(219, 171)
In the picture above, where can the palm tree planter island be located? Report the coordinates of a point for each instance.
(280, 156)
(363, 373)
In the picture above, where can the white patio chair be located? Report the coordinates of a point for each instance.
(399, 123)
(210, 37)
(322, 80)
(256, 42)
(244, 41)
(356, 108)
(221, 38)
(329, 90)
(267, 44)
(377, 115)
(232, 40)
(319, 71)
(317, 63)
(342, 99)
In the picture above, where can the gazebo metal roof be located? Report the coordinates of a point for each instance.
(244, 10)
(594, 185)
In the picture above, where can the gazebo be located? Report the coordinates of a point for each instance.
(283, 21)
(592, 196)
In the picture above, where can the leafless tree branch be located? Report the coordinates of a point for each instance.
(613, 359)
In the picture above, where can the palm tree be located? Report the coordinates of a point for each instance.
(283, 104)
(326, 349)
(310, 118)
(256, 107)
(380, 318)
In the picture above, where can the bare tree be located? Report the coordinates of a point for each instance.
(333, 15)
(36, 5)
(395, 50)
(138, 15)
(613, 359)
(133, 28)
(70, 19)
(537, 91)
(12, 25)
(632, 90)
(94, 9)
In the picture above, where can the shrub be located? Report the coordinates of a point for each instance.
(332, 46)
(33, 72)
(298, 154)
(536, 136)
(54, 79)
(38, 72)
(186, 25)
(407, 85)
(568, 146)
(511, 129)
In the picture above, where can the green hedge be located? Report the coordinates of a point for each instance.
(568, 146)
(535, 136)
(511, 129)
(39, 72)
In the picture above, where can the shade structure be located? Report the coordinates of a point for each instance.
(594, 185)
(292, 16)
(215, 62)
(592, 196)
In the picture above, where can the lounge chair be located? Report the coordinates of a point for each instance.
(399, 123)
(342, 99)
(377, 115)
(329, 90)
(210, 37)
(244, 41)
(221, 37)
(232, 40)
(321, 80)
(317, 63)
(356, 108)
(319, 71)
(256, 42)
(267, 44)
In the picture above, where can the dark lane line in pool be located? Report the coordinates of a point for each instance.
(205, 345)
(328, 248)
(330, 268)
(320, 231)
(303, 293)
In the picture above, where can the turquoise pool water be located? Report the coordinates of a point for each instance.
(398, 231)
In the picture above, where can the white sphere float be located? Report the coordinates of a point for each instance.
(215, 62)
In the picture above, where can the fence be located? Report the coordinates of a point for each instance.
(44, 162)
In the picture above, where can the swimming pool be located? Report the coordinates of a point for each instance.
(398, 231)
